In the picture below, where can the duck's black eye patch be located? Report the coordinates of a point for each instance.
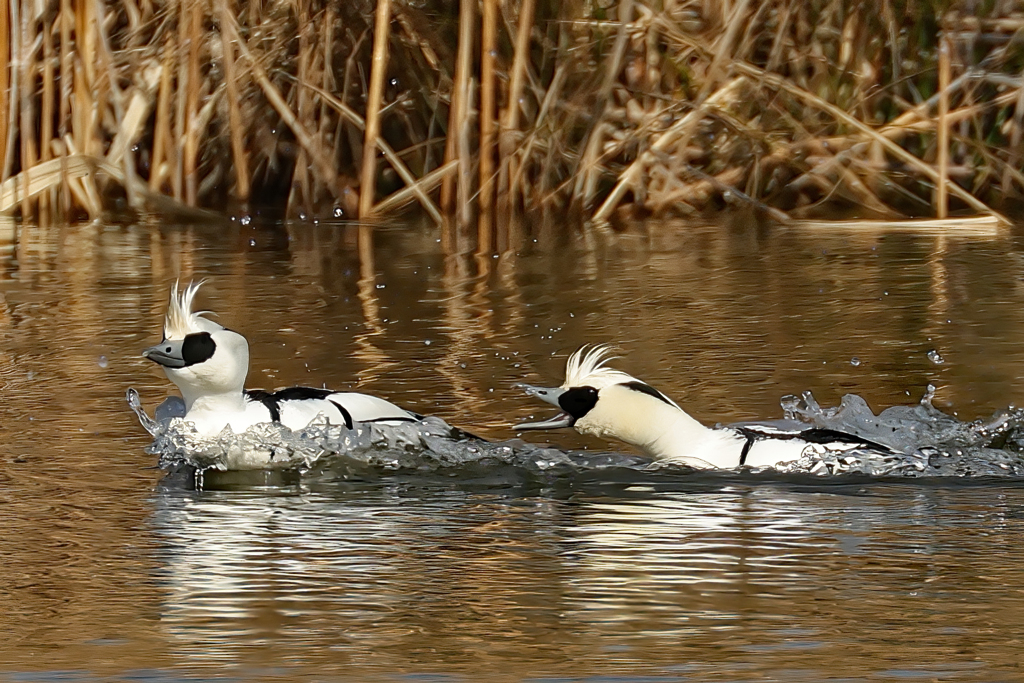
(578, 401)
(197, 347)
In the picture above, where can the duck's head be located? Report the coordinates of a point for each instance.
(596, 399)
(201, 357)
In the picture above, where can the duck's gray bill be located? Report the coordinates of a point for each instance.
(557, 422)
(166, 353)
(546, 394)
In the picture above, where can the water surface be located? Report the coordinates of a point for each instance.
(110, 573)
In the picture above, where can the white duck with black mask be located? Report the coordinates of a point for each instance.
(600, 401)
(209, 363)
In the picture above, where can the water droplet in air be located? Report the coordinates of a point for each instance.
(855, 361)
(245, 220)
(934, 357)
(380, 286)
(426, 342)
(102, 361)
(252, 243)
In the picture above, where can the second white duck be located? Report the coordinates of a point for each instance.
(209, 363)
(600, 401)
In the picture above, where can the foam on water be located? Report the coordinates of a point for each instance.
(926, 441)
(930, 442)
(428, 444)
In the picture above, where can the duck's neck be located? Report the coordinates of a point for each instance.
(656, 427)
(675, 435)
(226, 402)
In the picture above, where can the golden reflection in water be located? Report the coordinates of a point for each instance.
(719, 581)
(106, 573)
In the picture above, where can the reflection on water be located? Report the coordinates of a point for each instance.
(353, 576)
(731, 577)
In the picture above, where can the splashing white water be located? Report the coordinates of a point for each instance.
(926, 441)
(427, 444)
(930, 442)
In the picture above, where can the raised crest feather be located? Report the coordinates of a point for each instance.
(586, 367)
(181, 320)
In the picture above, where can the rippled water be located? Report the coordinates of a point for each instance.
(493, 570)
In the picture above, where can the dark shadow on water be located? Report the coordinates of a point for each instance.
(624, 477)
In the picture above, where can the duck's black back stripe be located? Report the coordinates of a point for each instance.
(345, 414)
(813, 435)
(647, 389)
(273, 399)
(746, 448)
(820, 435)
(268, 399)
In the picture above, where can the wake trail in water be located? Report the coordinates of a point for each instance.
(926, 443)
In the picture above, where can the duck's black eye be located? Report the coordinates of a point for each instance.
(197, 347)
(578, 401)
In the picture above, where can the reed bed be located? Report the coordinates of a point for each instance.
(475, 110)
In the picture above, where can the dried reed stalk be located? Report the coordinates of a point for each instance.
(488, 46)
(5, 108)
(381, 36)
(192, 129)
(239, 157)
(26, 120)
(418, 189)
(161, 152)
(458, 118)
(588, 172)
(517, 78)
(942, 138)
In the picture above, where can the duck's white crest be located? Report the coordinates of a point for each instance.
(180, 319)
(586, 367)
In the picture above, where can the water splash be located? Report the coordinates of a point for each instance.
(428, 444)
(929, 442)
(925, 441)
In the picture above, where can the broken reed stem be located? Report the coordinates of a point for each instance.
(238, 155)
(942, 138)
(488, 47)
(368, 179)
